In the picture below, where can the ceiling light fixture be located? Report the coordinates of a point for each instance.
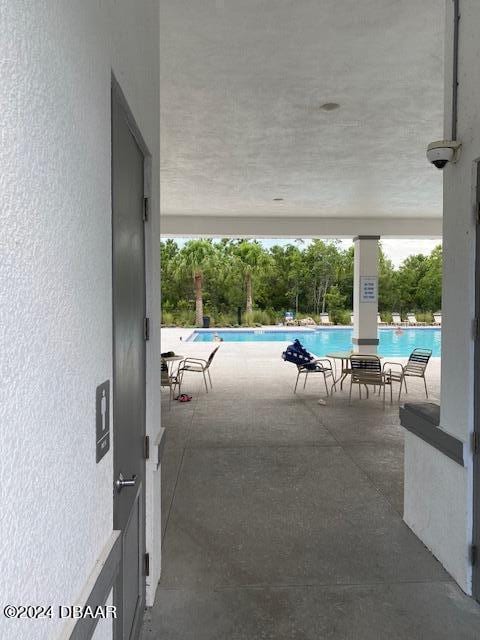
(329, 106)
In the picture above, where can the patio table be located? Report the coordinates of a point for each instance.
(344, 356)
(170, 360)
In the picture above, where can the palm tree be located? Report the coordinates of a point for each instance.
(251, 257)
(195, 257)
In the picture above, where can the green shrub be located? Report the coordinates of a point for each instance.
(225, 319)
(425, 316)
(247, 319)
(167, 318)
(340, 316)
(260, 317)
(185, 318)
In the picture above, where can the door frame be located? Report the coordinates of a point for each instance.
(118, 96)
(476, 402)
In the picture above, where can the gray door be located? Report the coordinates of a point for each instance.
(128, 246)
(476, 454)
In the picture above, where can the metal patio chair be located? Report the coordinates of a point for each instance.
(366, 370)
(197, 365)
(319, 365)
(307, 363)
(415, 368)
(168, 380)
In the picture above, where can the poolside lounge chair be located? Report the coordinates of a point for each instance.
(325, 319)
(397, 319)
(306, 363)
(412, 320)
(437, 318)
(379, 320)
(415, 368)
(288, 318)
(366, 370)
(352, 318)
(197, 365)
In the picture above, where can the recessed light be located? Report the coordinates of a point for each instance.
(329, 106)
(278, 199)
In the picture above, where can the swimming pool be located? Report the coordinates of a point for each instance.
(322, 341)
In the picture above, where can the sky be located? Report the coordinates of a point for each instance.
(395, 249)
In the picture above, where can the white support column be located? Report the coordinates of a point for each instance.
(365, 294)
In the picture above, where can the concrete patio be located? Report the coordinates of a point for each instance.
(282, 518)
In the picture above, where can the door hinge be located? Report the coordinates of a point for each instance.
(473, 555)
(146, 328)
(476, 328)
(146, 206)
(475, 441)
(146, 564)
(146, 447)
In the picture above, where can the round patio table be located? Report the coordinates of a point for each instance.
(170, 360)
(344, 356)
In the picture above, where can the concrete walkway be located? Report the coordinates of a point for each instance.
(282, 518)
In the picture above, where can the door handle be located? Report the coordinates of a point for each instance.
(125, 482)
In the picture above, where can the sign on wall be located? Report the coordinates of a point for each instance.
(368, 288)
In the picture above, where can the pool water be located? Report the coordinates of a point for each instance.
(323, 341)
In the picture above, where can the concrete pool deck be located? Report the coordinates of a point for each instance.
(282, 517)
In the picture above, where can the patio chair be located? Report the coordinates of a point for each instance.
(437, 318)
(397, 319)
(379, 320)
(288, 318)
(412, 320)
(306, 363)
(167, 380)
(366, 370)
(197, 365)
(352, 318)
(325, 319)
(415, 368)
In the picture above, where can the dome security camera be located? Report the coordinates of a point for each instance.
(441, 152)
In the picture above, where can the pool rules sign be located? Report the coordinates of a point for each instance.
(368, 288)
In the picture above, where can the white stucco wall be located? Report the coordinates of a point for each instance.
(56, 61)
(438, 493)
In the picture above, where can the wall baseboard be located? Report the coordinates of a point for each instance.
(96, 589)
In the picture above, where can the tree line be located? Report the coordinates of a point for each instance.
(220, 278)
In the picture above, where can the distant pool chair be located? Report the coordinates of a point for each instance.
(380, 321)
(397, 319)
(366, 370)
(415, 368)
(197, 365)
(437, 318)
(325, 319)
(412, 320)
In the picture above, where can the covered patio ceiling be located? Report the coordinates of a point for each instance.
(246, 147)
